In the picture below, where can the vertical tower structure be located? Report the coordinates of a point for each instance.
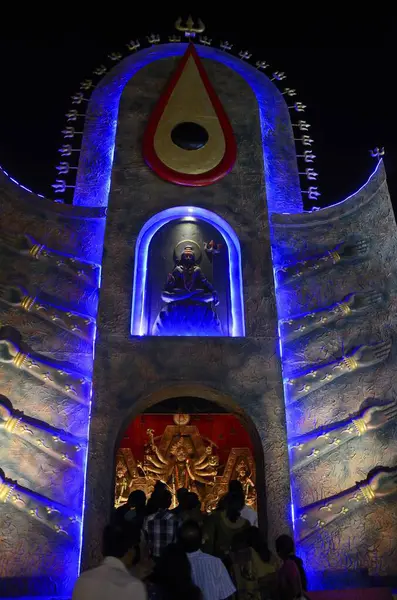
(213, 283)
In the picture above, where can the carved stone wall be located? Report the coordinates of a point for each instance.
(39, 551)
(363, 537)
(130, 370)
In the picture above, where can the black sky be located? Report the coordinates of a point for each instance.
(343, 69)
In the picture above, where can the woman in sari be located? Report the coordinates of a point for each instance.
(254, 575)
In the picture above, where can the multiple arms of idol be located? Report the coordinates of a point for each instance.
(317, 444)
(66, 380)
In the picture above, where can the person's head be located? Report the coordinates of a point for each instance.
(285, 546)
(190, 536)
(185, 502)
(286, 550)
(222, 503)
(173, 574)
(159, 486)
(240, 541)
(192, 501)
(236, 486)
(234, 505)
(256, 540)
(180, 494)
(120, 543)
(137, 500)
(152, 505)
(164, 500)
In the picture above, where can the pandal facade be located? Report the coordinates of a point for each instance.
(186, 271)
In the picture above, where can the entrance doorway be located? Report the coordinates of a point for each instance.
(186, 442)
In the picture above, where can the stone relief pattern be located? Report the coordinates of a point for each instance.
(74, 231)
(363, 538)
(128, 369)
(31, 553)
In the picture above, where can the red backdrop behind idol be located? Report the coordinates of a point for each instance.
(224, 431)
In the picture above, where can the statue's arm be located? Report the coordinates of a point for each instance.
(303, 384)
(154, 470)
(155, 462)
(345, 253)
(171, 282)
(199, 462)
(353, 304)
(204, 283)
(206, 473)
(306, 448)
(362, 357)
(295, 327)
(159, 455)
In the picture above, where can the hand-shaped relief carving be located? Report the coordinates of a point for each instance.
(52, 514)
(78, 324)
(365, 356)
(343, 254)
(317, 444)
(26, 245)
(74, 385)
(55, 442)
(357, 303)
(379, 485)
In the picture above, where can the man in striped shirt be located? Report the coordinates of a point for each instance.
(208, 572)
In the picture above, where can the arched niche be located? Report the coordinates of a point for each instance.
(144, 288)
(200, 393)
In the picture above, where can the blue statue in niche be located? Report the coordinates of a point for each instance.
(189, 297)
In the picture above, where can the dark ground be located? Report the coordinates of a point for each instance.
(345, 77)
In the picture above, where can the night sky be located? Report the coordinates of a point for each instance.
(345, 77)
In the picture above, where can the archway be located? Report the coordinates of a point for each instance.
(206, 427)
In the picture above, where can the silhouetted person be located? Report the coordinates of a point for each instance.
(247, 512)
(208, 572)
(172, 577)
(133, 510)
(180, 496)
(256, 540)
(292, 580)
(111, 580)
(222, 525)
(152, 503)
(160, 528)
(192, 509)
(254, 575)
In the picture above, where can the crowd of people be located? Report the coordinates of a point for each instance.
(155, 553)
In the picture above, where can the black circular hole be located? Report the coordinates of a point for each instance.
(189, 136)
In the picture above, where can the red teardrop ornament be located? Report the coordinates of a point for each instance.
(189, 139)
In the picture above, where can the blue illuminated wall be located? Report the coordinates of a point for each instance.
(41, 552)
(345, 525)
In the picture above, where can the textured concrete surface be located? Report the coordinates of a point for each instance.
(365, 538)
(246, 371)
(35, 560)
